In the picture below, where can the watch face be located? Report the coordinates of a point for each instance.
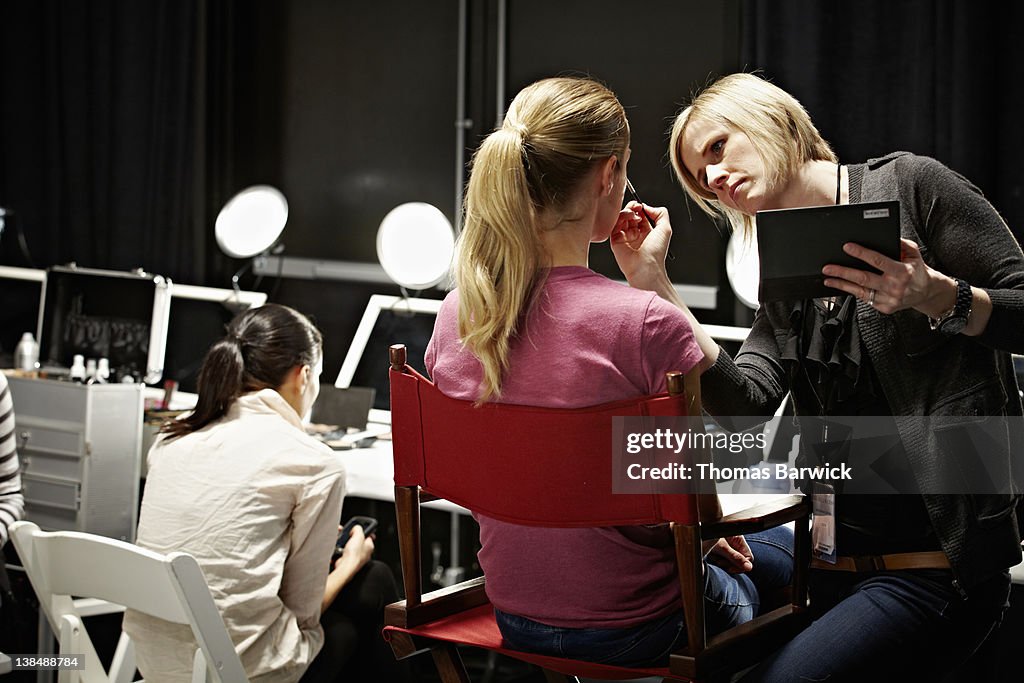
(954, 324)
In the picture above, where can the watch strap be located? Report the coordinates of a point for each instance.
(954, 320)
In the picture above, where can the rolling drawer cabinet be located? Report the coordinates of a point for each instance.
(80, 454)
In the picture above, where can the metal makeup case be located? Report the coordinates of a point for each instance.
(80, 444)
(105, 314)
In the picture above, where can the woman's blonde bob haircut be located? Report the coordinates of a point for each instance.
(777, 125)
(526, 178)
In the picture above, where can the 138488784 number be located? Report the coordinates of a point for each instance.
(47, 662)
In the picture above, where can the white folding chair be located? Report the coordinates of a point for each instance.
(66, 565)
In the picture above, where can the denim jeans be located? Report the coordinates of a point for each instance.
(887, 626)
(729, 599)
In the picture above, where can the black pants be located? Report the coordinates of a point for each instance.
(19, 612)
(354, 649)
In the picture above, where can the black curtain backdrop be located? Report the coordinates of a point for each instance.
(125, 126)
(120, 129)
(942, 78)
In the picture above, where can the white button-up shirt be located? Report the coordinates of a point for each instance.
(257, 502)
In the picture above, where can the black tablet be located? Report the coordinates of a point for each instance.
(795, 244)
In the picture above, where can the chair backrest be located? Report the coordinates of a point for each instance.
(64, 564)
(525, 465)
(554, 468)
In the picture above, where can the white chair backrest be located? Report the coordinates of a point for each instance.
(68, 563)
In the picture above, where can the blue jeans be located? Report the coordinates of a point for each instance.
(887, 626)
(729, 599)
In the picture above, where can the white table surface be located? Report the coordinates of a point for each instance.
(371, 474)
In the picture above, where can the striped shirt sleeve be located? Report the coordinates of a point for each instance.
(12, 502)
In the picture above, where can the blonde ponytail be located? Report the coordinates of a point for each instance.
(498, 255)
(525, 174)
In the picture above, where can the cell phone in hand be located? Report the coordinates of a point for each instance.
(369, 525)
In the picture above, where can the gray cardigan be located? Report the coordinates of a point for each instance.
(921, 372)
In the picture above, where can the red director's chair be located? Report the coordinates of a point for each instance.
(520, 464)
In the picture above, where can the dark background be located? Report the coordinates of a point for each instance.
(125, 126)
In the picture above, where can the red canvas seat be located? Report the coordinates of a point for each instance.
(520, 464)
(476, 627)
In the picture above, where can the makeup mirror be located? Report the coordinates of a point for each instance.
(743, 267)
(415, 245)
(251, 221)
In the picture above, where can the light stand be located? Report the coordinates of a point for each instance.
(249, 225)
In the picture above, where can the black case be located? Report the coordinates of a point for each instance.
(795, 244)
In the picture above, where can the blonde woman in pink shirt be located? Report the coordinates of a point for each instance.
(530, 323)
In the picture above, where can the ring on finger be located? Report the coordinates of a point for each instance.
(871, 297)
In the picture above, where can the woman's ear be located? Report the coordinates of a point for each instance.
(295, 380)
(294, 386)
(608, 168)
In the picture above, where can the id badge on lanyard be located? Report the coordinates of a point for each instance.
(823, 527)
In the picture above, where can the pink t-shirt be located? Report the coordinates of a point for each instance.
(586, 341)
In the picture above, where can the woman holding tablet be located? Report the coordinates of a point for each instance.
(897, 577)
